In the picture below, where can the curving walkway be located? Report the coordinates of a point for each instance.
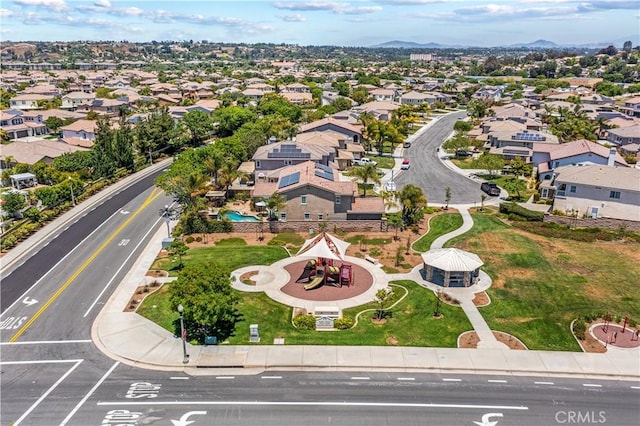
(466, 295)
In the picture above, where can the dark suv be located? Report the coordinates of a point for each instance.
(490, 188)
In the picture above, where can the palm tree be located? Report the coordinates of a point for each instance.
(213, 164)
(275, 203)
(186, 188)
(227, 174)
(365, 173)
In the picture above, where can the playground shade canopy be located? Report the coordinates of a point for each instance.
(324, 245)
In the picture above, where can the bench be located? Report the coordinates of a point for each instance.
(371, 259)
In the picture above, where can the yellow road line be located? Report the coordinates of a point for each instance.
(155, 193)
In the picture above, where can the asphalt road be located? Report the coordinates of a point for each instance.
(430, 174)
(138, 397)
(24, 276)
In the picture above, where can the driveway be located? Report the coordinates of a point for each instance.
(428, 171)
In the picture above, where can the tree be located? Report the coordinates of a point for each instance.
(199, 124)
(483, 198)
(458, 144)
(14, 202)
(413, 203)
(365, 173)
(395, 221)
(178, 248)
(491, 162)
(209, 302)
(272, 103)
(103, 162)
(231, 119)
(123, 145)
(477, 109)
(275, 203)
(54, 123)
(462, 126)
(447, 197)
(627, 46)
(383, 297)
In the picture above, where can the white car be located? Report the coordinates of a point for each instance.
(363, 161)
(405, 164)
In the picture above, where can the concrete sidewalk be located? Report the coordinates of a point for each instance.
(134, 340)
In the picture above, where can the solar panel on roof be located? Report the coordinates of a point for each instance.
(324, 175)
(324, 168)
(289, 180)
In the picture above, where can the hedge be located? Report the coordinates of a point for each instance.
(514, 211)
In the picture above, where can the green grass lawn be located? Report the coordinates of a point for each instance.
(411, 323)
(227, 256)
(438, 226)
(384, 162)
(362, 239)
(541, 284)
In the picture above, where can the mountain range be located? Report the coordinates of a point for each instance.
(538, 44)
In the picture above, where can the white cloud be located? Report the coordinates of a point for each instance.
(6, 31)
(127, 11)
(55, 5)
(5, 13)
(102, 3)
(296, 17)
(327, 6)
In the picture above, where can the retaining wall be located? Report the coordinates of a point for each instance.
(304, 226)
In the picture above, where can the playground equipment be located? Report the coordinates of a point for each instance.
(329, 274)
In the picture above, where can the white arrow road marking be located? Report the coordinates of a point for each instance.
(29, 301)
(184, 420)
(485, 419)
(125, 211)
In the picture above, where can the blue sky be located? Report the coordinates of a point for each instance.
(316, 22)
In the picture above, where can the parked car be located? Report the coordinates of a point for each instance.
(364, 160)
(407, 144)
(490, 188)
(405, 164)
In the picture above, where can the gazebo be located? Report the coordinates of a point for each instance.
(451, 267)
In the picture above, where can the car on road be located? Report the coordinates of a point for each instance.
(490, 188)
(407, 144)
(364, 160)
(405, 164)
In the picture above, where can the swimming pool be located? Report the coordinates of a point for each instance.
(239, 217)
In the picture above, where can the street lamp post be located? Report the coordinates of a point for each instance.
(73, 198)
(168, 213)
(183, 335)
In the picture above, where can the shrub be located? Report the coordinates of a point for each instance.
(305, 322)
(415, 229)
(514, 209)
(344, 323)
(189, 239)
(220, 226)
(579, 328)
(199, 238)
(33, 214)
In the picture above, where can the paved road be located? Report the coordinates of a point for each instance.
(279, 398)
(18, 280)
(430, 174)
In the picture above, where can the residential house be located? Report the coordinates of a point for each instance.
(345, 150)
(624, 135)
(286, 153)
(297, 87)
(73, 100)
(253, 94)
(298, 98)
(632, 107)
(25, 102)
(416, 98)
(489, 93)
(597, 191)
(80, 133)
(383, 94)
(382, 110)
(518, 144)
(314, 193)
(16, 126)
(34, 152)
(546, 157)
(353, 132)
(110, 107)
